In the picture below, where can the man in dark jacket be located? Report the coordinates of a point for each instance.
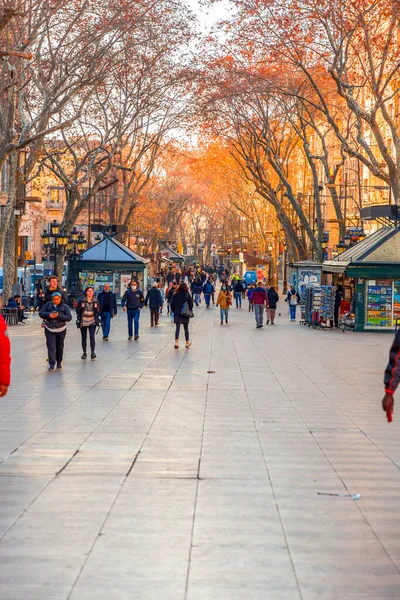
(208, 290)
(238, 289)
(132, 303)
(56, 315)
(170, 276)
(259, 299)
(53, 287)
(108, 309)
(154, 300)
(197, 289)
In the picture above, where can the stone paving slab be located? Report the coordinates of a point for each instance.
(143, 475)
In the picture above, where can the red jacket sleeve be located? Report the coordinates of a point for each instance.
(5, 358)
(392, 373)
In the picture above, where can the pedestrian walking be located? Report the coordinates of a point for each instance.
(182, 299)
(88, 318)
(39, 293)
(132, 303)
(5, 359)
(250, 291)
(293, 298)
(108, 309)
(244, 287)
(238, 289)
(170, 276)
(392, 376)
(197, 289)
(154, 300)
(53, 287)
(170, 294)
(56, 315)
(338, 301)
(260, 300)
(162, 292)
(212, 280)
(273, 299)
(208, 290)
(224, 301)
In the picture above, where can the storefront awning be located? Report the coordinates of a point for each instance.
(383, 246)
(167, 252)
(253, 261)
(110, 250)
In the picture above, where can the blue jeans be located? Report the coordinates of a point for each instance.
(238, 297)
(292, 308)
(207, 298)
(133, 315)
(224, 313)
(106, 323)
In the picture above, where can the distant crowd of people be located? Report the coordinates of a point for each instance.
(180, 290)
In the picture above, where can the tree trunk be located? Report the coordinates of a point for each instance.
(12, 188)
(9, 260)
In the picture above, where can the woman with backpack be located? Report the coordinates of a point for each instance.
(88, 319)
(180, 300)
(293, 298)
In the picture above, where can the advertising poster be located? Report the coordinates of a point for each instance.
(124, 282)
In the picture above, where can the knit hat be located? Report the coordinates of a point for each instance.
(56, 294)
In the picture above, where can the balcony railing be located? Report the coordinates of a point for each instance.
(54, 205)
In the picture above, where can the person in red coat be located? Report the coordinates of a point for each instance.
(260, 300)
(5, 359)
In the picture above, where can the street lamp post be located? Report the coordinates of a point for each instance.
(285, 285)
(56, 242)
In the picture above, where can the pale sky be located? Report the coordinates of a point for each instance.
(208, 15)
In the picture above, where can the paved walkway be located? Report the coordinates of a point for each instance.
(162, 474)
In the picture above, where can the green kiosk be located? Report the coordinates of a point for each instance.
(111, 262)
(373, 266)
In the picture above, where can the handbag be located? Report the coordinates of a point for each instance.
(186, 311)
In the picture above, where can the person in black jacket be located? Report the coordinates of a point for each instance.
(56, 315)
(154, 300)
(197, 289)
(170, 294)
(132, 303)
(273, 299)
(238, 289)
(88, 318)
(180, 297)
(392, 375)
(49, 291)
(108, 309)
(338, 302)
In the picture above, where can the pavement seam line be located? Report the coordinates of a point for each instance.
(125, 478)
(266, 466)
(187, 582)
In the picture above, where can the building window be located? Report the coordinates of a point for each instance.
(55, 197)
